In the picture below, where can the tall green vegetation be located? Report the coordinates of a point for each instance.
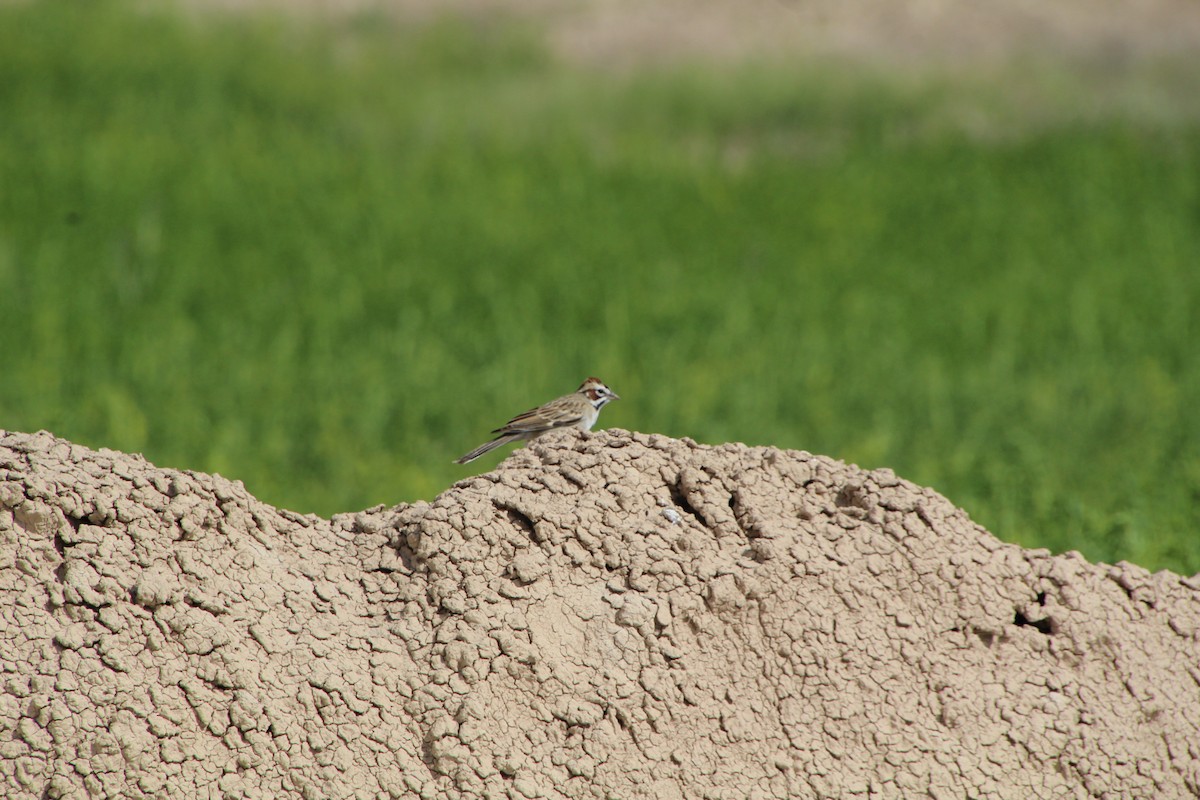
(327, 259)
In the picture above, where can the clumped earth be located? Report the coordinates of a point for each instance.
(612, 615)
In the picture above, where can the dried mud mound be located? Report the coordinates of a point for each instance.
(619, 616)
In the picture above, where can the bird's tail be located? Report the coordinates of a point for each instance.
(487, 447)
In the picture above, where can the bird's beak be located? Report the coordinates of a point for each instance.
(615, 395)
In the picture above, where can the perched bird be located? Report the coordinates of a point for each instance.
(578, 410)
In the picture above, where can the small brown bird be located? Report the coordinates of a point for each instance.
(577, 410)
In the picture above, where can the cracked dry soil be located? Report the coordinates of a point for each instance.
(611, 616)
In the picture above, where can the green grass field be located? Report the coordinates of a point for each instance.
(327, 259)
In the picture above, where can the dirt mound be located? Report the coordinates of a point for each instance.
(617, 615)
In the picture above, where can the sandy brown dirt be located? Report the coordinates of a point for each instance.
(616, 615)
(622, 32)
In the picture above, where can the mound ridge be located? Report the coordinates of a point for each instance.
(611, 615)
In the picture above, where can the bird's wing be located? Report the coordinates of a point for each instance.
(555, 414)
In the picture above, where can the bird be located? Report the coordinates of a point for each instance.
(579, 409)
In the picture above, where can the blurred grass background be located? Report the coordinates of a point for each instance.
(328, 259)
